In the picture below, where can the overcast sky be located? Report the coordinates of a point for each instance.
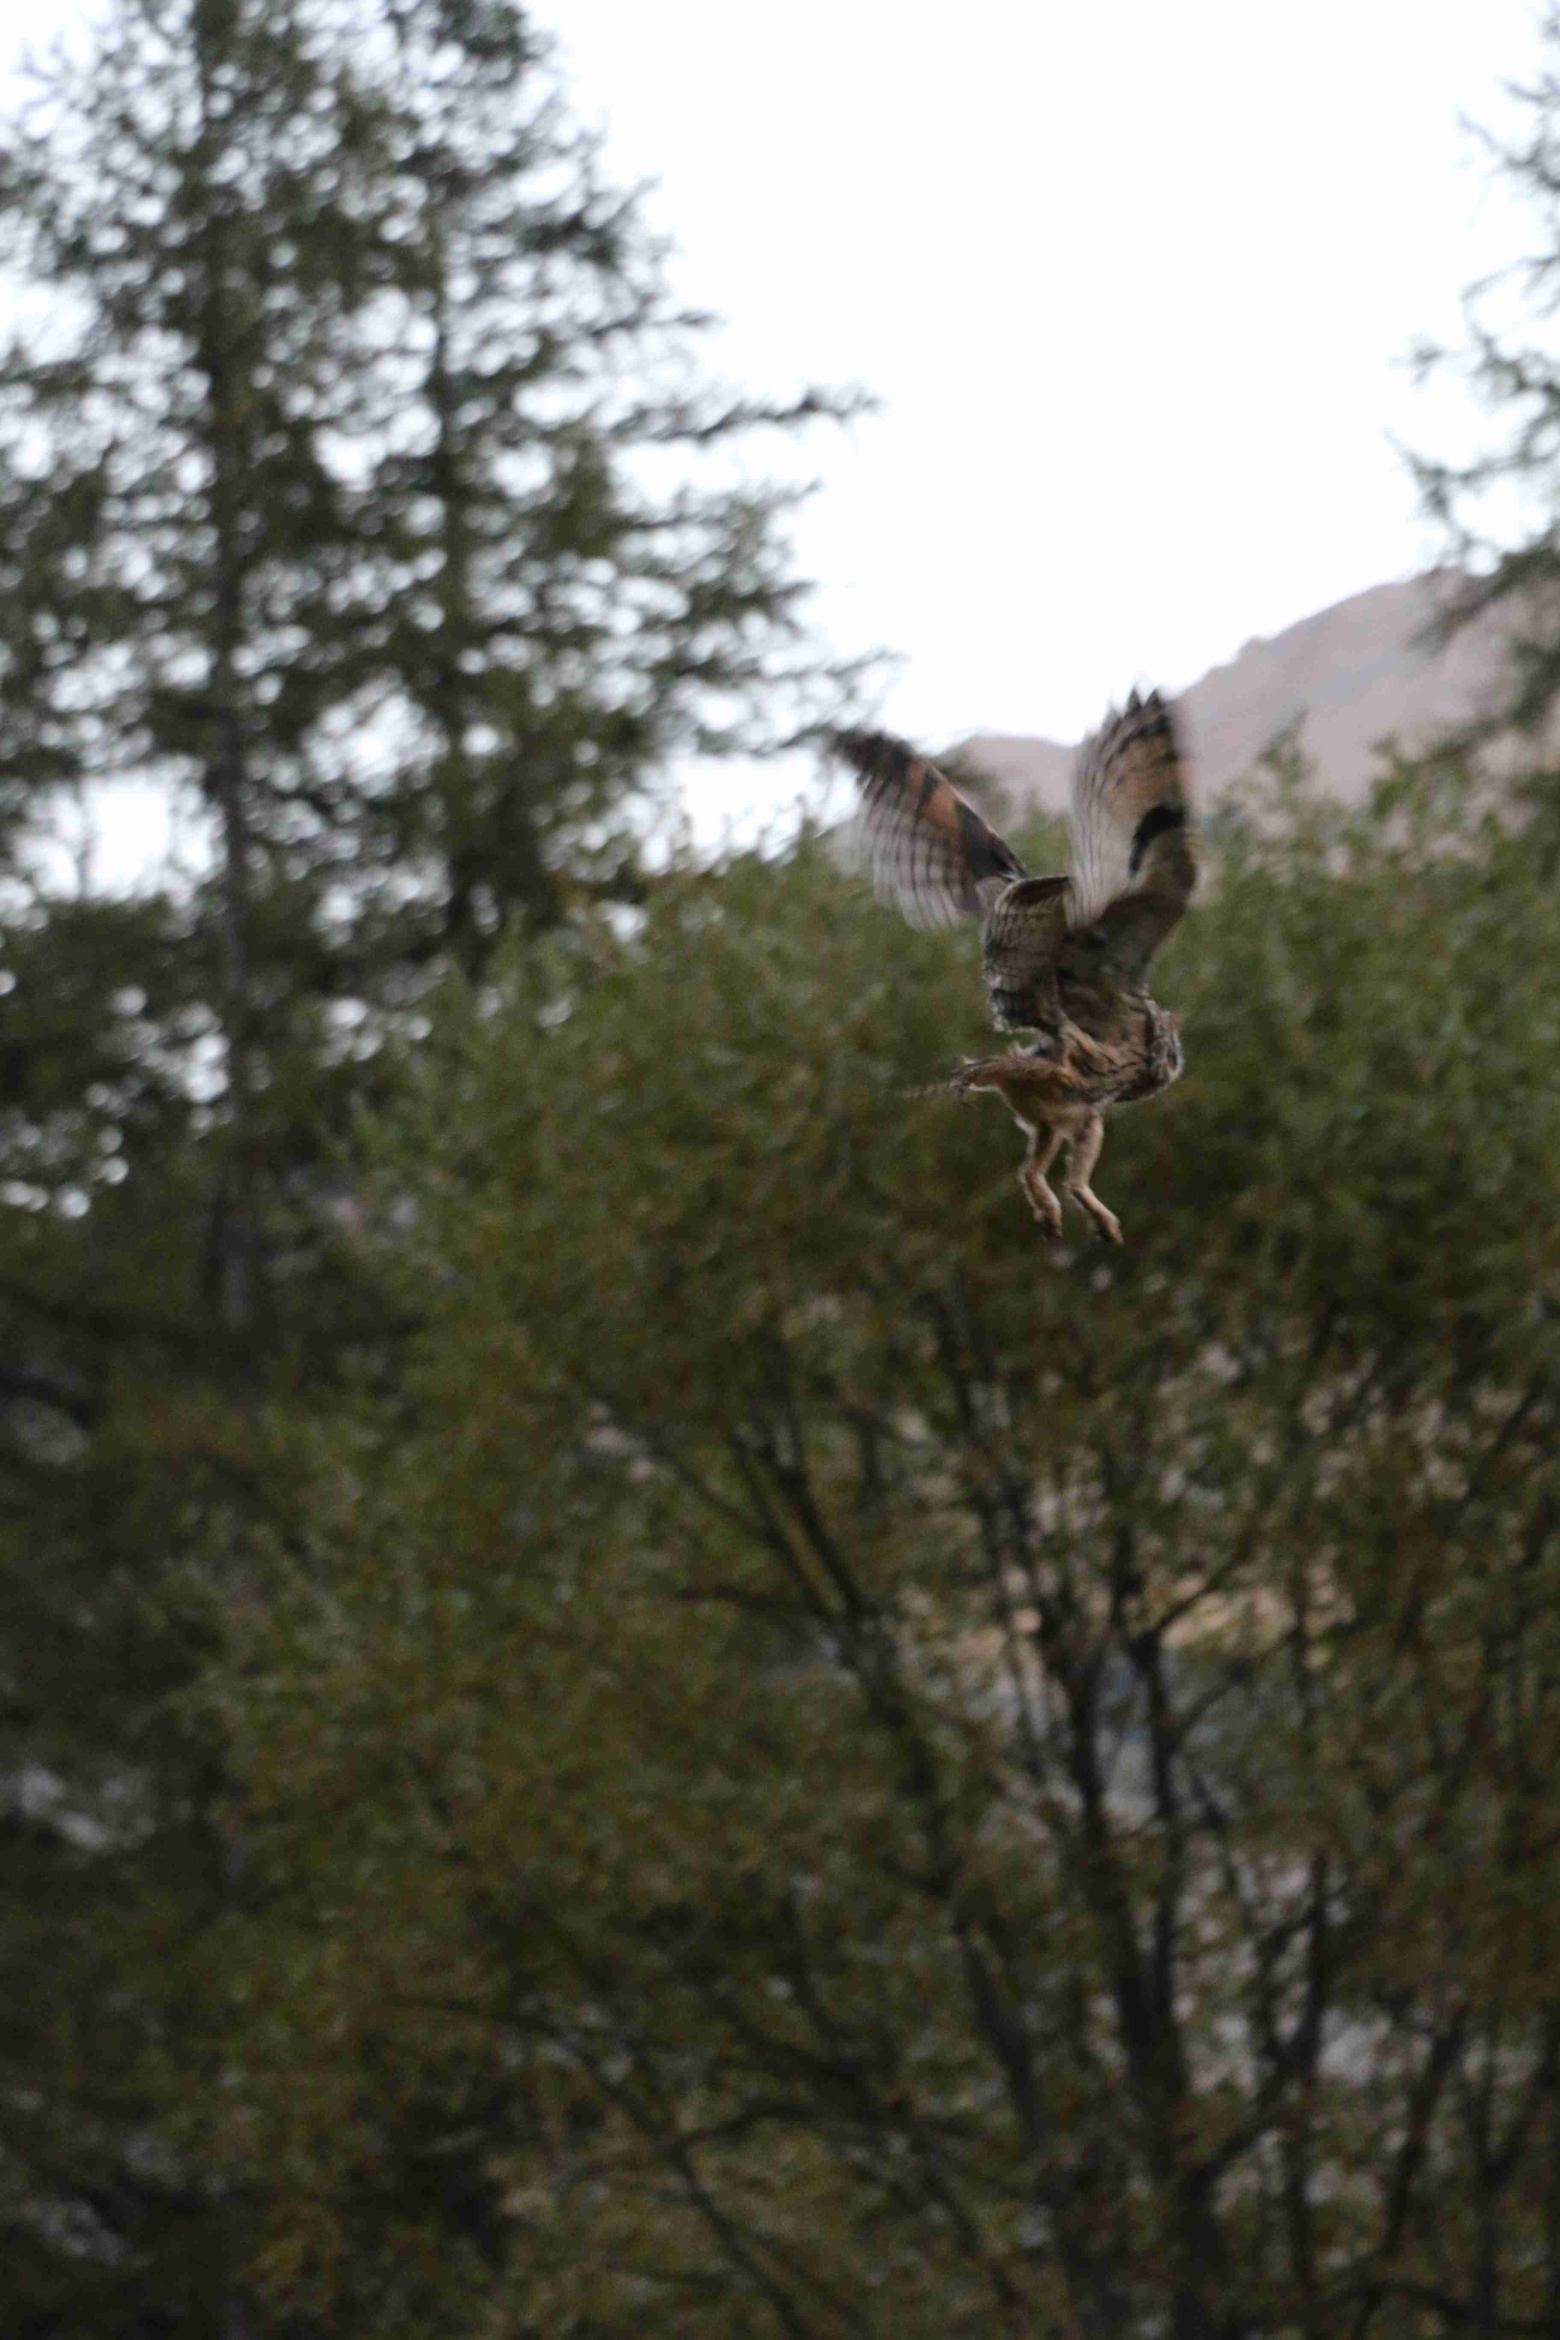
(1134, 280)
(1135, 283)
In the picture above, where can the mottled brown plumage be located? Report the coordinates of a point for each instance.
(1063, 957)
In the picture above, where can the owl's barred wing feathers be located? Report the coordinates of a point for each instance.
(930, 855)
(1134, 866)
(1027, 926)
(927, 852)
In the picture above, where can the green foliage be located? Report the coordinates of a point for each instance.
(354, 476)
(359, 487)
(825, 1770)
(799, 1764)
(1499, 510)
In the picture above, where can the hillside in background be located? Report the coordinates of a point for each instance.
(1354, 675)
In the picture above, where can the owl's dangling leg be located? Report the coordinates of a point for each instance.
(1040, 1154)
(1085, 1152)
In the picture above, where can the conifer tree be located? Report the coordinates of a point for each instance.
(344, 492)
(332, 497)
(1501, 508)
(554, 628)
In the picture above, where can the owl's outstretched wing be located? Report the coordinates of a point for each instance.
(1134, 863)
(926, 851)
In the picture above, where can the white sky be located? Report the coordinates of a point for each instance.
(1134, 279)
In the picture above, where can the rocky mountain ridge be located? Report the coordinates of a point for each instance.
(1353, 676)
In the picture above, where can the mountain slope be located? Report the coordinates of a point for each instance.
(1354, 675)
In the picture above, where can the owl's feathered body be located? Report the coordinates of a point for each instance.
(1063, 957)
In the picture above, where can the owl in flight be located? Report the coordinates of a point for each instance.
(1063, 957)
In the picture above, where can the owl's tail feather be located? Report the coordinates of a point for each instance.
(976, 1072)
